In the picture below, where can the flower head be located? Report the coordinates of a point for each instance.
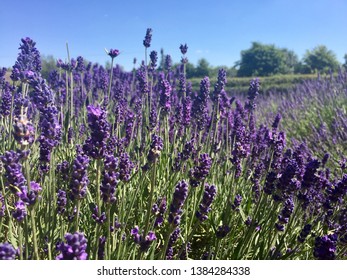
(184, 48)
(7, 252)
(148, 38)
(325, 247)
(113, 53)
(74, 248)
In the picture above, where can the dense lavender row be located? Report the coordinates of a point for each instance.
(105, 164)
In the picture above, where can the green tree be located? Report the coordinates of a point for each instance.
(190, 70)
(345, 64)
(321, 59)
(203, 68)
(48, 63)
(265, 60)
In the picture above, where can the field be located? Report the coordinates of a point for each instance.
(107, 164)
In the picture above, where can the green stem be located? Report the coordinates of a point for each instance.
(20, 242)
(36, 252)
(151, 198)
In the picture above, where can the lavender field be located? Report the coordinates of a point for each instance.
(102, 164)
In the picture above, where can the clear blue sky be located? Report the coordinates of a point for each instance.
(216, 30)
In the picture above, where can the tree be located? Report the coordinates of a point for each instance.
(48, 63)
(265, 60)
(321, 59)
(345, 64)
(203, 68)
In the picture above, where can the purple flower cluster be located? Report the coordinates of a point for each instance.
(6, 100)
(113, 53)
(237, 202)
(199, 106)
(43, 98)
(165, 91)
(148, 38)
(20, 211)
(219, 86)
(61, 202)
(7, 252)
(79, 175)
(286, 212)
(96, 145)
(110, 179)
(179, 197)
(28, 60)
(205, 205)
(125, 167)
(325, 247)
(155, 149)
(23, 131)
(98, 217)
(143, 242)
(154, 58)
(74, 248)
(172, 240)
(159, 210)
(15, 179)
(199, 173)
(253, 92)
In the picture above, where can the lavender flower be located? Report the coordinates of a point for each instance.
(110, 179)
(15, 179)
(96, 216)
(125, 167)
(61, 202)
(199, 173)
(28, 60)
(20, 211)
(80, 67)
(286, 212)
(6, 100)
(237, 202)
(96, 145)
(101, 248)
(142, 78)
(168, 62)
(325, 247)
(172, 240)
(165, 91)
(23, 131)
(7, 252)
(148, 38)
(143, 242)
(113, 53)
(199, 107)
(63, 169)
(74, 248)
(32, 196)
(184, 49)
(159, 212)
(205, 205)
(154, 58)
(155, 149)
(79, 176)
(219, 86)
(253, 92)
(179, 197)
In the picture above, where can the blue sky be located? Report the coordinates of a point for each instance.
(216, 30)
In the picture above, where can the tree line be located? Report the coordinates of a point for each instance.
(259, 60)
